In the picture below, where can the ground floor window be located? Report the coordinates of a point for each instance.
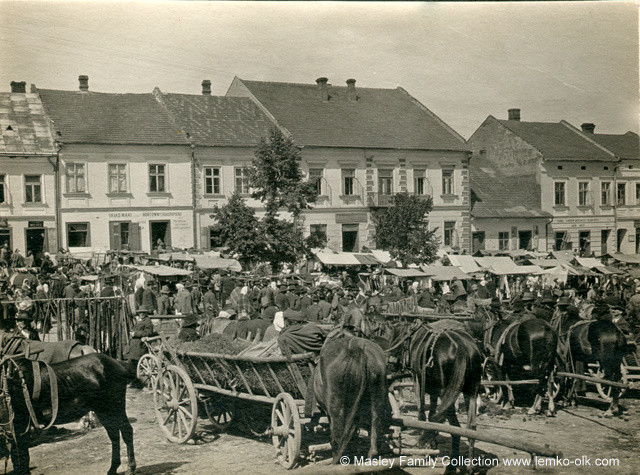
(78, 235)
(160, 232)
(350, 238)
(449, 233)
(124, 235)
(620, 239)
(604, 238)
(524, 240)
(503, 241)
(585, 243)
(562, 241)
(478, 241)
(319, 231)
(5, 237)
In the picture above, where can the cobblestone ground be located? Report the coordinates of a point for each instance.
(577, 432)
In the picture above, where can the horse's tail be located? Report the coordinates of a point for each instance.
(609, 346)
(456, 383)
(542, 351)
(355, 379)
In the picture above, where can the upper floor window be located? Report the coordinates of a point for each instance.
(583, 193)
(3, 198)
(242, 181)
(117, 178)
(157, 179)
(33, 189)
(605, 193)
(559, 193)
(385, 182)
(348, 181)
(212, 180)
(447, 182)
(621, 196)
(75, 178)
(315, 177)
(420, 182)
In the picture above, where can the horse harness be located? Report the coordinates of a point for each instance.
(496, 352)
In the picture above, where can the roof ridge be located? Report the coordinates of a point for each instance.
(315, 85)
(500, 121)
(589, 139)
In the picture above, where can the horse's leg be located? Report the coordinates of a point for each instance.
(471, 402)
(112, 426)
(429, 437)
(20, 456)
(455, 440)
(551, 410)
(511, 401)
(127, 435)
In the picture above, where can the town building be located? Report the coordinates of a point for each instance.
(573, 174)
(362, 146)
(28, 168)
(125, 171)
(223, 132)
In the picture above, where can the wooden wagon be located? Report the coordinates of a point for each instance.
(218, 385)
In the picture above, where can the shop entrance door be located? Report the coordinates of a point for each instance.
(36, 239)
(524, 240)
(160, 232)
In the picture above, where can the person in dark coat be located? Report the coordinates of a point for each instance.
(210, 302)
(280, 298)
(312, 312)
(149, 296)
(189, 328)
(142, 329)
(165, 304)
(24, 323)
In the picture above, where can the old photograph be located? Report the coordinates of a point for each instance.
(319, 237)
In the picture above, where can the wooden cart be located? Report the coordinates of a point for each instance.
(219, 385)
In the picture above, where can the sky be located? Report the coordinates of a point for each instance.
(576, 61)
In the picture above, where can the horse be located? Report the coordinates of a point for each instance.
(349, 384)
(92, 382)
(594, 341)
(520, 348)
(445, 363)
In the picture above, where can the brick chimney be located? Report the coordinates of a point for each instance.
(588, 128)
(322, 86)
(84, 83)
(206, 87)
(351, 90)
(19, 87)
(514, 114)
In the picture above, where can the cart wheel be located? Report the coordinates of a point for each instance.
(147, 370)
(603, 391)
(219, 411)
(176, 403)
(286, 430)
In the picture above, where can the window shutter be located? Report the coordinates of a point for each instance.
(167, 234)
(114, 236)
(134, 237)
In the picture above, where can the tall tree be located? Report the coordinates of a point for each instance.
(237, 228)
(403, 229)
(276, 178)
(277, 181)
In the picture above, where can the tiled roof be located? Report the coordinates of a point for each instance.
(379, 118)
(623, 145)
(222, 121)
(557, 141)
(106, 118)
(24, 127)
(495, 196)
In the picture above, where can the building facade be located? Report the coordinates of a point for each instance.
(575, 179)
(362, 146)
(28, 168)
(125, 171)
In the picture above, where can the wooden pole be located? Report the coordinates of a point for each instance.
(510, 383)
(591, 379)
(528, 447)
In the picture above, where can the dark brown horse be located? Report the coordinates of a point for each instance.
(94, 382)
(594, 341)
(524, 348)
(350, 386)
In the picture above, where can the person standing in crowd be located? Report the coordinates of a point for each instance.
(183, 303)
(280, 298)
(5, 255)
(226, 287)
(189, 328)
(210, 302)
(196, 296)
(149, 296)
(165, 304)
(142, 329)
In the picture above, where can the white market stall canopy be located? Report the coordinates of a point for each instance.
(466, 263)
(441, 273)
(176, 256)
(627, 258)
(588, 262)
(161, 271)
(545, 263)
(331, 258)
(211, 262)
(409, 273)
(505, 266)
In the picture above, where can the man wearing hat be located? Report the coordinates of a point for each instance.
(149, 297)
(24, 324)
(183, 302)
(165, 302)
(210, 302)
(142, 329)
(280, 298)
(312, 312)
(189, 328)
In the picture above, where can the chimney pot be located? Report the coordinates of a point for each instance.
(18, 87)
(351, 90)
(514, 114)
(206, 87)
(84, 83)
(588, 128)
(322, 85)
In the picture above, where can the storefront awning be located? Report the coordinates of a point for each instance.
(161, 271)
(464, 262)
(408, 273)
(441, 273)
(210, 262)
